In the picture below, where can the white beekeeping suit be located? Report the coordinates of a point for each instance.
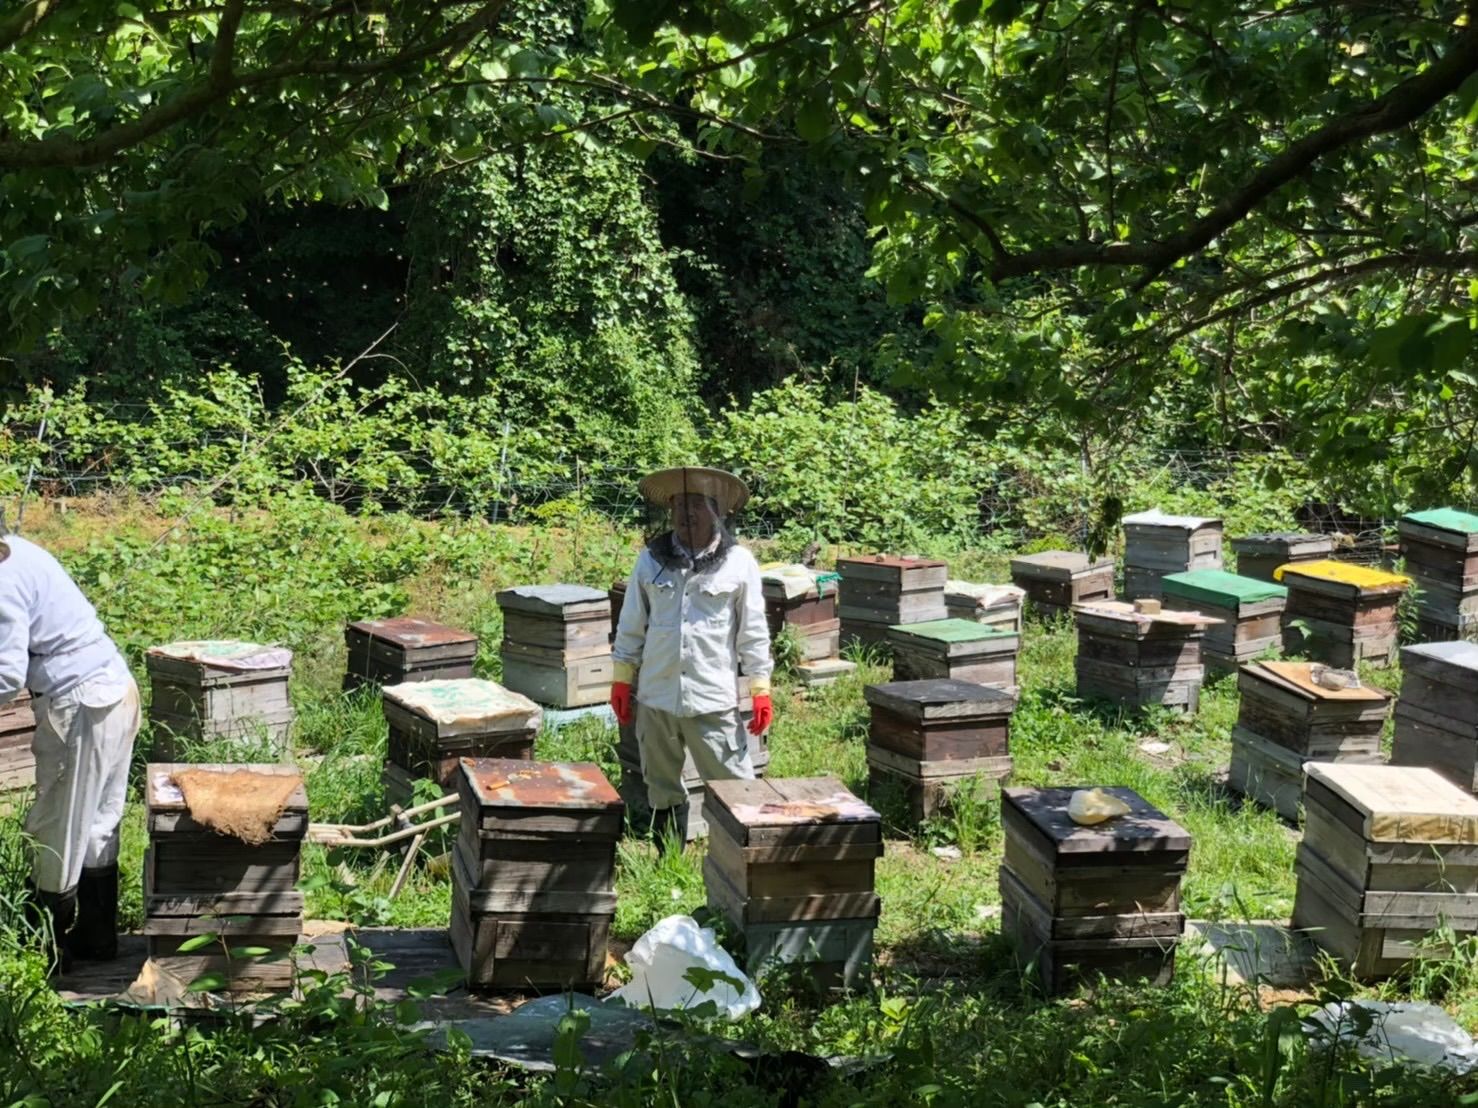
(87, 714)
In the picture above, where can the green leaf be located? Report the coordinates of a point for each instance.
(198, 942)
(814, 120)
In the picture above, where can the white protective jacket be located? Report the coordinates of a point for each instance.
(685, 634)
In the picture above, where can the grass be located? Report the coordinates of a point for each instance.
(953, 1020)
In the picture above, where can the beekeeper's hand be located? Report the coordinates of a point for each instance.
(621, 702)
(764, 715)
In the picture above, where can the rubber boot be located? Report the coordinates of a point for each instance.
(94, 938)
(50, 916)
(670, 824)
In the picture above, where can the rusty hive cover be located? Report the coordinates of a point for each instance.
(510, 783)
(411, 633)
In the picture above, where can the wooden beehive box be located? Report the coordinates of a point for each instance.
(1389, 855)
(199, 882)
(557, 644)
(799, 597)
(996, 606)
(790, 865)
(1055, 580)
(434, 724)
(1258, 556)
(1138, 658)
(396, 651)
(1437, 714)
(1087, 900)
(218, 689)
(885, 590)
(17, 729)
(1286, 719)
(1341, 614)
(1251, 613)
(934, 737)
(955, 648)
(533, 878)
(1156, 544)
(617, 597)
(1441, 551)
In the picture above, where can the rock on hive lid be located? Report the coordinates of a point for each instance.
(1144, 829)
(1402, 804)
(465, 700)
(1298, 675)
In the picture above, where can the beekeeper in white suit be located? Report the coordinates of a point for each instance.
(87, 714)
(693, 615)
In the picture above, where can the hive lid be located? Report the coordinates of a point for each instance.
(1461, 654)
(790, 802)
(227, 654)
(982, 596)
(1401, 804)
(1217, 586)
(161, 794)
(930, 698)
(891, 561)
(465, 700)
(1295, 676)
(1143, 829)
(1123, 611)
(951, 631)
(550, 599)
(1343, 573)
(1156, 518)
(1445, 519)
(1275, 539)
(1071, 561)
(511, 783)
(412, 633)
(791, 580)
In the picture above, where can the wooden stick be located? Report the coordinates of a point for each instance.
(330, 835)
(405, 866)
(401, 815)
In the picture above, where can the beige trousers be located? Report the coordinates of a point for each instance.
(714, 739)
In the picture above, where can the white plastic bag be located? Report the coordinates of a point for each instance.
(1404, 1031)
(661, 959)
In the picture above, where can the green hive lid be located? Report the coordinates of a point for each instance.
(1446, 519)
(954, 630)
(1218, 587)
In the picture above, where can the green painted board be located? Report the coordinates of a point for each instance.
(953, 630)
(1446, 519)
(1218, 587)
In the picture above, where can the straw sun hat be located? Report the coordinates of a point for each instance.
(728, 491)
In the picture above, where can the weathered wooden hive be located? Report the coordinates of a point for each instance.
(1341, 614)
(1137, 658)
(1441, 552)
(1156, 544)
(218, 689)
(17, 729)
(790, 865)
(804, 600)
(397, 651)
(534, 873)
(884, 591)
(1287, 719)
(1437, 713)
(1251, 613)
(557, 644)
(935, 737)
(1259, 556)
(1055, 580)
(1102, 899)
(617, 595)
(434, 724)
(1389, 855)
(997, 606)
(955, 648)
(200, 882)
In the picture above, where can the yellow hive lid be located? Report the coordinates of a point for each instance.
(1362, 577)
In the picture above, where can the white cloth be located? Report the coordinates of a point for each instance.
(688, 633)
(83, 746)
(50, 636)
(715, 739)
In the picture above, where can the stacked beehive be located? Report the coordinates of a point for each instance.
(17, 729)
(955, 648)
(1437, 714)
(557, 644)
(935, 737)
(397, 651)
(1389, 855)
(434, 724)
(1260, 555)
(1085, 900)
(1251, 612)
(997, 606)
(803, 600)
(1341, 614)
(884, 591)
(1137, 654)
(201, 881)
(533, 874)
(1286, 718)
(1156, 544)
(1055, 580)
(790, 865)
(617, 597)
(218, 689)
(1441, 552)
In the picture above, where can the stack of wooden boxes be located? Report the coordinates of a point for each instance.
(218, 689)
(790, 865)
(17, 729)
(1441, 552)
(804, 600)
(1141, 657)
(1287, 719)
(1087, 900)
(199, 882)
(884, 591)
(1437, 714)
(1341, 614)
(1260, 555)
(1251, 612)
(1389, 855)
(956, 648)
(1156, 544)
(934, 737)
(557, 644)
(996, 606)
(534, 874)
(434, 724)
(396, 651)
(1055, 580)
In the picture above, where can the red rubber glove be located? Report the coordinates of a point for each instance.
(621, 702)
(764, 715)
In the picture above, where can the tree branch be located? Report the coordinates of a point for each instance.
(15, 27)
